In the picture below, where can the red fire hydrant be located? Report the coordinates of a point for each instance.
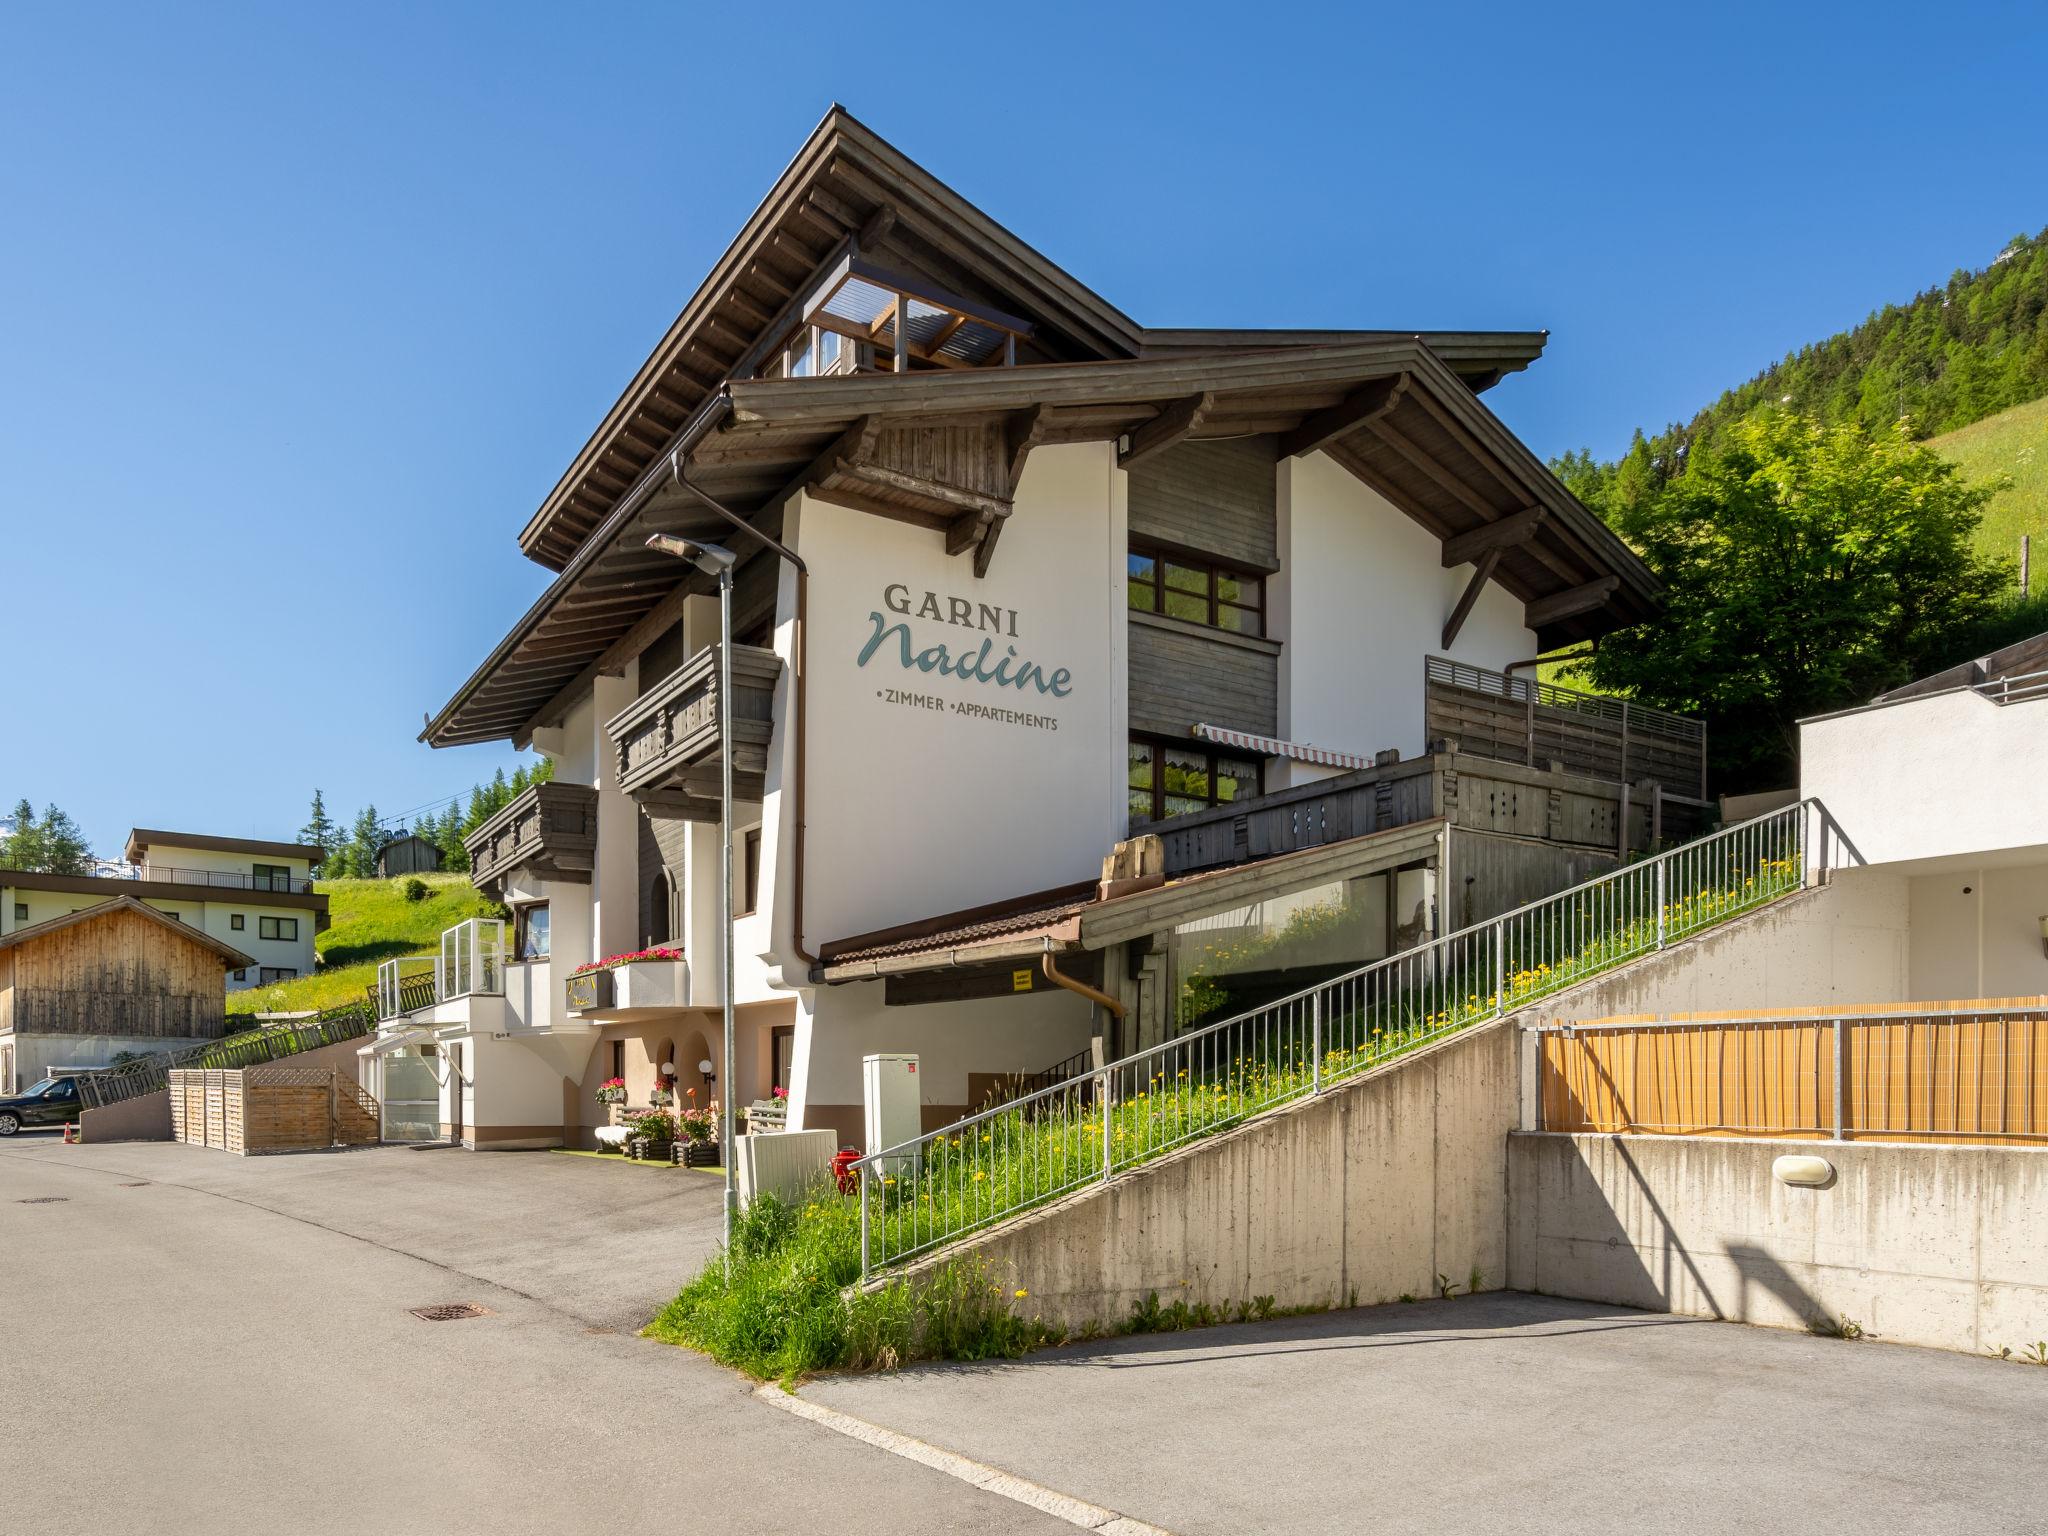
(842, 1170)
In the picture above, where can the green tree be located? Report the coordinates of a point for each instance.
(22, 848)
(1806, 568)
(64, 849)
(320, 831)
(365, 838)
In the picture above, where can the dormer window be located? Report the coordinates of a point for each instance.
(863, 317)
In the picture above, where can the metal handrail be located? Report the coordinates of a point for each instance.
(2017, 689)
(249, 1048)
(1065, 1135)
(212, 879)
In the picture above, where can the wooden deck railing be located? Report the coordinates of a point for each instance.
(1970, 1071)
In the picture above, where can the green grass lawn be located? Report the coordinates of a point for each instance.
(2013, 443)
(372, 923)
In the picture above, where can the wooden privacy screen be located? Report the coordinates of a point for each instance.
(272, 1109)
(1955, 1071)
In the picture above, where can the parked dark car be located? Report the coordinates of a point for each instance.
(53, 1101)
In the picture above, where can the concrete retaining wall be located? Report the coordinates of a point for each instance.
(1936, 1245)
(1369, 1192)
(144, 1118)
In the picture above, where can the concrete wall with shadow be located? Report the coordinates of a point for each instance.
(1935, 1245)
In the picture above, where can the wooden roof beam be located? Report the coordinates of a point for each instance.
(1569, 604)
(1367, 403)
(1464, 548)
(1171, 425)
(1480, 576)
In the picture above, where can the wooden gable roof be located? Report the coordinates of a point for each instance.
(231, 958)
(847, 193)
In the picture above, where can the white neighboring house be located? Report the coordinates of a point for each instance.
(256, 896)
(1942, 788)
(1067, 578)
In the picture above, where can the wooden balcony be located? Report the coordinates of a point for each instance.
(550, 831)
(667, 740)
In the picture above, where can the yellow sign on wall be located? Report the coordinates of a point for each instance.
(1020, 981)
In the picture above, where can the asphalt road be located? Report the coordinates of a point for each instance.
(1502, 1414)
(197, 1342)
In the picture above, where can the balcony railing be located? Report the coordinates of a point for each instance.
(470, 962)
(218, 879)
(550, 830)
(667, 741)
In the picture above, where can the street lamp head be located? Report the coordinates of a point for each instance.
(711, 559)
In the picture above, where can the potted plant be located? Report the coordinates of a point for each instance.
(664, 1093)
(612, 1091)
(699, 1146)
(640, 978)
(653, 1139)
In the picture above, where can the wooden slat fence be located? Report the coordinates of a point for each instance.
(1523, 720)
(1974, 1071)
(272, 1108)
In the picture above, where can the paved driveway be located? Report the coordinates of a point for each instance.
(1501, 1413)
(197, 1342)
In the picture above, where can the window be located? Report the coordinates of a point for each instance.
(242, 974)
(750, 871)
(618, 1058)
(530, 931)
(21, 911)
(270, 973)
(1195, 589)
(235, 921)
(271, 877)
(277, 927)
(1172, 779)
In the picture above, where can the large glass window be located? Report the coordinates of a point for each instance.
(1199, 591)
(1173, 778)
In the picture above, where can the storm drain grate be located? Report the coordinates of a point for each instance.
(450, 1311)
(45, 1200)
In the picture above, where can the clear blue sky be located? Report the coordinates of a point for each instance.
(306, 308)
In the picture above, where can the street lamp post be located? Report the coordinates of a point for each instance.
(715, 560)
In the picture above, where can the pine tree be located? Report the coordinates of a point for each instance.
(64, 850)
(320, 831)
(364, 840)
(23, 848)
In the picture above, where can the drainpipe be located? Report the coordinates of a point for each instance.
(1536, 661)
(803, 597)
(1059, 978)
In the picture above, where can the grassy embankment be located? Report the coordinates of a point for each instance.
(2012, 444)
(372, 923)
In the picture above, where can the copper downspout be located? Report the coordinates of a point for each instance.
(1060, 978)
(803, 598)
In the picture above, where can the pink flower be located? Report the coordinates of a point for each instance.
(781, 1093)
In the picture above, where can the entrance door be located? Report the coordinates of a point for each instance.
(783, 1040)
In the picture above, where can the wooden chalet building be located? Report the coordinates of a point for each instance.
(77, 990)
(1018, 576)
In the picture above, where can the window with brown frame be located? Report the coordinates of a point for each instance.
(1198, 590)
(1172, 778)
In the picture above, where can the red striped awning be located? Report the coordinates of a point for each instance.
(1273, 746)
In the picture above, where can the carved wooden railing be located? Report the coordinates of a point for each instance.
(667, 739)
(550, 829)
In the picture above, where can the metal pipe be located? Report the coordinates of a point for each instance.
(800, 696)
(1592, 646)
(1060, 978)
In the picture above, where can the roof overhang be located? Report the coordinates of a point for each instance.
(1389, 410)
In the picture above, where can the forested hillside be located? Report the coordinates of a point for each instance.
(1950, 356)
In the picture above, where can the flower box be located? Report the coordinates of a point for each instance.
(588, 990)
(696, 1154)
(644, 1149)
(651, 984)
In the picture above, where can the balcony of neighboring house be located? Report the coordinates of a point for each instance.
(548, 832)
(667, 740)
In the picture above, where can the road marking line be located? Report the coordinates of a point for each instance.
(1061, 1506)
